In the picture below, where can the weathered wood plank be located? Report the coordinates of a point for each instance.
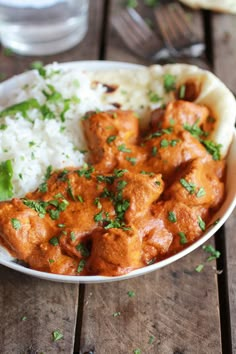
(224, 39)
(176, 305)
(48, 306)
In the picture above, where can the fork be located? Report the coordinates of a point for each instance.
(138, 37)
(176, 31)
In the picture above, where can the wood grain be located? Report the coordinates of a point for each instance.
(48, 306)
(175, 307)
(224, 39)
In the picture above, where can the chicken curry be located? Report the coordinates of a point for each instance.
(142, 197)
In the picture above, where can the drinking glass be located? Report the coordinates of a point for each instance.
(42, 27)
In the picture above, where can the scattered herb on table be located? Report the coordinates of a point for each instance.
(131, 293)
(116, 314)
(57, 335)
(199, 268)
(214, 254)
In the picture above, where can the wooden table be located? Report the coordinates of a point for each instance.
(175, 310)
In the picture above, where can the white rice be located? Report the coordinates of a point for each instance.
(35, 143)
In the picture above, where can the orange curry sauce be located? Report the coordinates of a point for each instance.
(139, 200)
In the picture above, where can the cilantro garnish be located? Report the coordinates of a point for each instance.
(190, 187)
(214, 254)
(199, 268)
(169, 82)
(183, 238)
(123, 148)
(22, 107)
(131, 293)
(16, 224)
(154, 151)
(164, 143)
(83, 250)
(201, 192)
(182, 91)
(6, 174)
(81, 265)
(43, 186)
(131, 3)
(38, 65)
(86, 171)
(212, 148)
(38, 206)
(153, 97)
(111, 138)
(195, 130)
(116, 314)
(132, 160)
(56, 335)
(201, 223)
(172, 216)
(54, 241)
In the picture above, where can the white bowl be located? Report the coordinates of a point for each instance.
(222, 214)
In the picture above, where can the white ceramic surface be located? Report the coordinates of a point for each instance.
(223, 214)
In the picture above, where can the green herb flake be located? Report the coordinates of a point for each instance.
(212, 148)
(3, 127)
(137, 351)
(151, 339)
(98, 217)
(54, 241)
(169, 82)
(16, 224)
(164, 143)
(154, 151)
(23, 318)
(80, 198)
(201, 223)
(199, 268)
(116, 314)
(172, 121)
(195, 130)
(172, 216)
(131, 293)
(72, 236)
(51, 261)
(81, 265)
(183, 238)
(201, 192)
(38, 206)
(38, 65)
(54, 214)
(190, 187)
(83, 250)
(174, 142)
(123, 148)
(57, 335)
(153, 97)
(6, 174)
(214, 254)
(131, 4)
(111, 138)
(182, 91)
(22, 107)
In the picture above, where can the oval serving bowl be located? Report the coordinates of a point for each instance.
(222, 214)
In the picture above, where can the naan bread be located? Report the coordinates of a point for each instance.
(216, 5)
(132, 89)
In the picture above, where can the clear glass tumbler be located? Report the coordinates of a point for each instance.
(42, 27)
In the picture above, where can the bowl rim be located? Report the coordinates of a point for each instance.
(94, 65)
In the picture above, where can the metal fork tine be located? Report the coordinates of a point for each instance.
(142, 24)
(166, 30)
(128, 36)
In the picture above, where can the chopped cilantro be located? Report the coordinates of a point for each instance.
(116, 314)
(199, 268)
(54, 214)
(86, 171)
(212, 148)
(3, 127)
(54, 241)
(131, 293)
(123, 148)
(182, 91)
(132, 160)
(83, 250)
(151, 339)
(201, 192)
(151, 3)
(195, 130)
(81, 265)
(22, 107)
(154, 151)
(183, 238)
(153, 97)
(72, 236)
(23, 318)
(38, 206)
(164, 143)
(6, 174)
(56, 335)
(111, 138)
(190, 187)
(38, 65)
(43, 187)
(172, 216)
(51, 261)
(174, 142)
(80, 198)
(98, 203)
(16, 224)
(201, 223)
(98, 217)
(214, 254)
(169, 82)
